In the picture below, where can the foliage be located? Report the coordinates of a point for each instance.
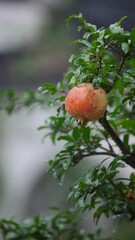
(61, 225)
(108, 193)
(106, 58)
(9, 101)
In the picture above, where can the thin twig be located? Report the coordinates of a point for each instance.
(112, 154)
(110, 146)
(77, 158)
(114, 48)
(106, 149)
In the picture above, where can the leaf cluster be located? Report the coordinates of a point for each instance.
(61, 225)
(102, 190)
(11, 101)
(79, 143)
(106, 59)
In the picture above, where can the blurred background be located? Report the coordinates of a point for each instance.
(35, 48)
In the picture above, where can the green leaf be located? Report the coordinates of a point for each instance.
(127, 123)
(76, 133)
(74, 16)
(81, 202)
(92, 28)
(82, 41)
(86, 35)
(86, 134)
(116, 221)
(133, 109)
(115, 164)
(132, 177)
(119, 86)
(133, 36)
(126, 139)
(121, 21)
(11, 93)
(62, 98)
(49, 87)
(65, 137)
(72, 82)
(116, 29)
(125, 47)
(66, 164)
(101, 210)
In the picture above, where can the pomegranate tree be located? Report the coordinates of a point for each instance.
(106, 59)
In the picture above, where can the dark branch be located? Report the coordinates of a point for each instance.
(112, 154)
(77, 158)
(114, 48)
(113, 134)
(128, 157)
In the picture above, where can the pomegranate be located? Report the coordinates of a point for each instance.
(85, 103)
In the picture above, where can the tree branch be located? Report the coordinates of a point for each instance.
(77, 158)
(100, 153)
(113, 134)
(114, 48)
(129, 157)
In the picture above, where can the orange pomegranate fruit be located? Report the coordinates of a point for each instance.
(85, 103)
